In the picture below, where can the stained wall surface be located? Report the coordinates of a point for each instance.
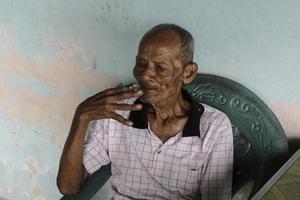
(54, 54)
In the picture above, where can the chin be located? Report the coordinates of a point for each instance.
(148, 99)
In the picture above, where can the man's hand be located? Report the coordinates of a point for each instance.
(71, 172)
(104, 104)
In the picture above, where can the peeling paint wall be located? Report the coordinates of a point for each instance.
(38, 99)
(54, 54)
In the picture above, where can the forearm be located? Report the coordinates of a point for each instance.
(103, 105)
(71, 171)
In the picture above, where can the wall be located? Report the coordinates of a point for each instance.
(54, 54)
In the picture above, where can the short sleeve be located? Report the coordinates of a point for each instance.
(217, 179)
(95, 150)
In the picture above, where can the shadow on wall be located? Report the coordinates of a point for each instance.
(294, 145)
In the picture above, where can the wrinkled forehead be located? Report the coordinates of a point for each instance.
(160, 43)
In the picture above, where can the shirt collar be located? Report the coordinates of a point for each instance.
(191, 128)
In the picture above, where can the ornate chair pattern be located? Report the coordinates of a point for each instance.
(260, 144)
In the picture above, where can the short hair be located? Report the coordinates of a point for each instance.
(186, 54)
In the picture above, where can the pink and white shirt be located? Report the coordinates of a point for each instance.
(196, 163)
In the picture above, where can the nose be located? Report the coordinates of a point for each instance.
(148, 73)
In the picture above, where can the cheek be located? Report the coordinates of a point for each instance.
(172, 78)
(135, 73)
(170, 85)
(173, 86)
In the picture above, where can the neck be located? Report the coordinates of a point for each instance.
(170, 108)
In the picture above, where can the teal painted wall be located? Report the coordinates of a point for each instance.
(53, 54)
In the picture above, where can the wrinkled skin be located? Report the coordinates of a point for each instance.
(157, 69)
(104, 104)
(161, 75)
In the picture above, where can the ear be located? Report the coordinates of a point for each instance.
(189, 73)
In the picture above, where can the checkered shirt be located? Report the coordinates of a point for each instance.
(194, 164)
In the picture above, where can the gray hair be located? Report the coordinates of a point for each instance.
(187, 42)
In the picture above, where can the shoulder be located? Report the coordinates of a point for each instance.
(215, 128)
(214, 117)
(214, 124)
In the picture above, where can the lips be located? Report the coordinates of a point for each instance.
(147, 89)
(143, 87)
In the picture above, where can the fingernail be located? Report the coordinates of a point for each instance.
(139, 106)
(140, 92)
(130, 123)
(135, 85)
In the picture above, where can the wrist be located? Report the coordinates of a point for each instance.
(79, 118)
(79, 124)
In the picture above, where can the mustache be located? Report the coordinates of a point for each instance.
(147, 86)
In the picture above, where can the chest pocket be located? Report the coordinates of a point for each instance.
(185, 177)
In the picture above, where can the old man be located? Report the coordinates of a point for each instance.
(161, 144)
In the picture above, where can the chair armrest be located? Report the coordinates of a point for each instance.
(244, 191)
(92, 184)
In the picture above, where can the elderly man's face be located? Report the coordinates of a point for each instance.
(158, 69)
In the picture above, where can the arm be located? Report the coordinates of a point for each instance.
(217, 178)
(71, 172)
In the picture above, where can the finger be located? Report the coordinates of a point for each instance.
(114, 107)
(91, 108)
(124, 95)
(120, 119)
(133, 86)
(111, 107)
(110, 91)
(116, 90)
(96, 96)
(101, 110)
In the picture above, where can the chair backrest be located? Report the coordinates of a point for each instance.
(260, 144)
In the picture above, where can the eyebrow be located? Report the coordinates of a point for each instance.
(160, 62)
(140, 58)
(155, 59)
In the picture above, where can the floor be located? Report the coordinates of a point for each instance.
(287, 187)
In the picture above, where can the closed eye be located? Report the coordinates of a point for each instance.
(159, 67)
(141, 65)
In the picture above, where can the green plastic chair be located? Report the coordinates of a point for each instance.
(260, 145)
